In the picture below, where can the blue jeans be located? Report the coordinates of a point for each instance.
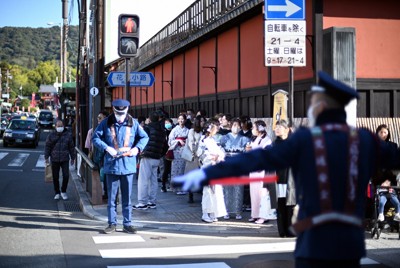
(383, 200)
(113, 183)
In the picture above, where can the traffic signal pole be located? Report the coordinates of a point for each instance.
(127, 80)
(128, 43)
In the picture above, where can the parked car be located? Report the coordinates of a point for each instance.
(46, 119)
(22, 131)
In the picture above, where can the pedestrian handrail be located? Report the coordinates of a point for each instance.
(89, 173)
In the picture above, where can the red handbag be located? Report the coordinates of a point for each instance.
(169, 155)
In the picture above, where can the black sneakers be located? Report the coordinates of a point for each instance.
(151, 205)
(140, 207)
(110, 229)
(129, 229)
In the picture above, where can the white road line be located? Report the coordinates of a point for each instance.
(368, 261)
(117, 239)
(40, 162)
(19, 160)
(9, 169)
(197, 250)
(2, 155)
(185, 265)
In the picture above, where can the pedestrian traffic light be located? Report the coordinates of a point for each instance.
(128, 35)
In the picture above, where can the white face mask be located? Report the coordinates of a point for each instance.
(254, 132)
(120, 118)
(310, 114)
(59, 129)
(235, 130)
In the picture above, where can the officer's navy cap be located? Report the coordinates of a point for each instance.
(120, 104)
(335, 89)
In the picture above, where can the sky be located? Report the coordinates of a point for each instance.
(154, 14)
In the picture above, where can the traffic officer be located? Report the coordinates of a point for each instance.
(121, 138)
(332, 164)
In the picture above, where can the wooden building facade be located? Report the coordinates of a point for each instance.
(211, 57)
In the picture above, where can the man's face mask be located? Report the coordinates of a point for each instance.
(120, 113)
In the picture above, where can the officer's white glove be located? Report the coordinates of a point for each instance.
(111, 151)
(134, 151)
(191, 180)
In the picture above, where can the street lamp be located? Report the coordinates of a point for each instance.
(61, 51)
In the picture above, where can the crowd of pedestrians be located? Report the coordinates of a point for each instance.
(165, 148)
(193, 141)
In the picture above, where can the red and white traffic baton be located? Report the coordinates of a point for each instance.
(243, 180)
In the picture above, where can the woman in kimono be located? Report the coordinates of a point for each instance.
(234, 143)
(176, 141)
(260, 140)
(193, 141)
(210, 153)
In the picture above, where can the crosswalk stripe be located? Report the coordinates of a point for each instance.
(197, 250)
(19, 160)
(2, 155)
(185, 265)
(40, 162)
(117, 239)
(368, 261)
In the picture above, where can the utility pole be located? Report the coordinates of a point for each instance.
(1, 82)
(64, 40)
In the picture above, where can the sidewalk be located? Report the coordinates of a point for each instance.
(173, 212)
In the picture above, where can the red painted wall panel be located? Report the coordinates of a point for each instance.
(253, 72)
(207, 58)
(191, 69)
(377, 27)
(177, 77)
(227, 67)
(167, 76)
(158, 82)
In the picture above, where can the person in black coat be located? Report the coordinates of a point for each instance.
(149, 163)
(59, 149)
(332, 164)
(286, 202)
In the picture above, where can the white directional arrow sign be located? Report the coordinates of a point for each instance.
(289, 8)
(284, 9)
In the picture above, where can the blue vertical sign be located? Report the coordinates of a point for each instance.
(284, 10)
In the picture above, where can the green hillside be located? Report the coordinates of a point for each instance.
(25, 46)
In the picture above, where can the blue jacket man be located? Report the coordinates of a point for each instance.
(121, 138)
(332, 165)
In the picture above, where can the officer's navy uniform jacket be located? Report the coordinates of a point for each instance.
(332, 240)
(102, 138)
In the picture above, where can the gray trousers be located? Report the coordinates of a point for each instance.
(147, 181)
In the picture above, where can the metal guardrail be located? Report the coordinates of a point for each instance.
(90, 177)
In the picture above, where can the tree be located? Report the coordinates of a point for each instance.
(25, 103)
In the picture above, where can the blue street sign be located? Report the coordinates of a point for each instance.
(284, 10)
(117, 79)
